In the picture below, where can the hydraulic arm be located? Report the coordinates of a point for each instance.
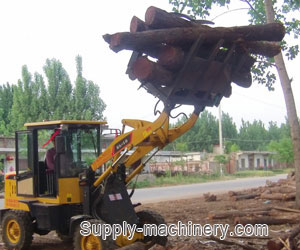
(144, 138)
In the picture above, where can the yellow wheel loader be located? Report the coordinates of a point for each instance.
(80, 190)
(39, 199)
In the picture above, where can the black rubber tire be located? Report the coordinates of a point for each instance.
(41, 231)
(107, 244)
(23, 221)
(152, 217)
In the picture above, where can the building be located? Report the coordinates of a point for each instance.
(247, 160)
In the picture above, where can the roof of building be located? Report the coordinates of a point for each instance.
(256, 152)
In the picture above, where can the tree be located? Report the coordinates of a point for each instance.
(288, 94)
(34, 100)
(6, 101)
(86, 102)
(59, 90)
(22, 109)
(284, 150)
(252, 136)
(259, 9)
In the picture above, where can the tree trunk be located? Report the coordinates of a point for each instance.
(290, 104)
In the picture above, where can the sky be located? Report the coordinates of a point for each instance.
(34, 30)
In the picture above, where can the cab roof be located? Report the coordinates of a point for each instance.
(59, 122)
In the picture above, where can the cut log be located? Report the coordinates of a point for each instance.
(160, 19)
(243, 197)
(283, 189)
(233, 193)
(235, 213)
(137, 25)
(183, 36)
(264, 220)
(285, 181)
(277, 244)
(172, 58)
(278, 196)
(209, 197)
(285, 209)
(268, 49)
(146, 70)
(202, 78)
(271, 183)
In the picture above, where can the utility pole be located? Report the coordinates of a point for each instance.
(220, 130)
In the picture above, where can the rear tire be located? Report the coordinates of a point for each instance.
(92, 242)
(151, 217)
(17, 229)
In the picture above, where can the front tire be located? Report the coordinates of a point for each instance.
(17, 229)
(92, 242)
(151, 217)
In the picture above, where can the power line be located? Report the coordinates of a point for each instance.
(258, 100)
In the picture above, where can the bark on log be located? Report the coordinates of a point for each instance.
(146, 70)
(243, 197)
(183, 36)
(233, 193)
(160, 19)
(264, 220)
(264, 48)
(285, 209)
(278, 196)
(137, 25)
(235, 213)
(283, 189)
(277, 244)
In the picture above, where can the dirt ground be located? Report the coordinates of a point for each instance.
(196, 210)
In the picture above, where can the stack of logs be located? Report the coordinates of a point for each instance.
(282, 190)
(223, 55)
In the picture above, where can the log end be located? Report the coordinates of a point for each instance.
(281, 31)
(137, 25)
(150, 15)
(107, 38)
(115, 42)
(171, 57)
(142, 68)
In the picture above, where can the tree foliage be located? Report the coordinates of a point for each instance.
(284, 150)
(251, 136)
(34, 98)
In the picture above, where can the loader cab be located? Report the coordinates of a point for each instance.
(77, 145)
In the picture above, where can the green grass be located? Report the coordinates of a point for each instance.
(180, 179)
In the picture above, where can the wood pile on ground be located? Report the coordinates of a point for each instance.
(198, 211)
(182, 59)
